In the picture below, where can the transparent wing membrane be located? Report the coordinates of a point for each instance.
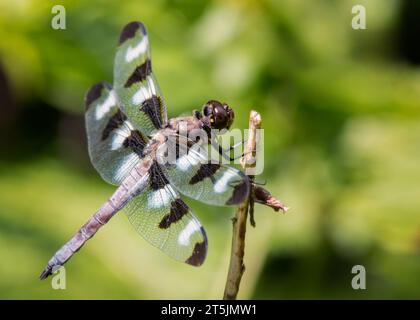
(114, 145)
(135, 85)
(161, 217)
(196, 176)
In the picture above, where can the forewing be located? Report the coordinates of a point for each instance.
(135, 85)
(115, 147)
(164, 220)
(196, 176)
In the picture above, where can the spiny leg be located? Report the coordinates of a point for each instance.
(223, 151)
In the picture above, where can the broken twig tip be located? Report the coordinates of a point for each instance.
(255, 116)
(263, 196)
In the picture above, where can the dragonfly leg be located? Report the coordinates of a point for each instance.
(223, 152)
(233, 147)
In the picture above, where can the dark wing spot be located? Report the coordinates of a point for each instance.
(178, 210)
(207, 170)
(136, 142)
(95, 92)
(114, 123)
(199, 253)
(240, 192)
(153, 109)
(140, 73)
(129, 31)
(158, 179)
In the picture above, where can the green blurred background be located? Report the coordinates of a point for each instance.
(340, 110)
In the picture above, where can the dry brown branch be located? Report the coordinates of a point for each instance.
(257, 194)
(236, 266)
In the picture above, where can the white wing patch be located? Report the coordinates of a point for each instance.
(106, 106)
(117, 141)
(141, 95)
(134, 52)
(221, 185)
(185, 162)
(189, 230)
(126, 165)
(160, 198)
(120, 135)
(151, 83)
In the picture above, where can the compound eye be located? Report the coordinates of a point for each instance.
(220, 117)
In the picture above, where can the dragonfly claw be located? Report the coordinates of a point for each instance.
(49, 270)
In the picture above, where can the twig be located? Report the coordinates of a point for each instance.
(236, 265)
(262, 196)
(257, 195)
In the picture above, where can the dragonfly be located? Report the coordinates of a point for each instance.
(127, 126)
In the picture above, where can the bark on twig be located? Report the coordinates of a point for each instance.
(236, 265)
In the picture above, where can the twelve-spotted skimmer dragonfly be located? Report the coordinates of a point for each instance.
(126, 125)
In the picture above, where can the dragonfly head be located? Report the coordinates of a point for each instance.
(219, 115)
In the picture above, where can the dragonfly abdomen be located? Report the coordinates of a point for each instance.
(131, 186)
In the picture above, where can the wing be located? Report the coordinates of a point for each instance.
(115, 147)
(164, 220)
(196, 176)
(135, 85)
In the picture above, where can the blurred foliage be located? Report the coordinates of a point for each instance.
(340, 109)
